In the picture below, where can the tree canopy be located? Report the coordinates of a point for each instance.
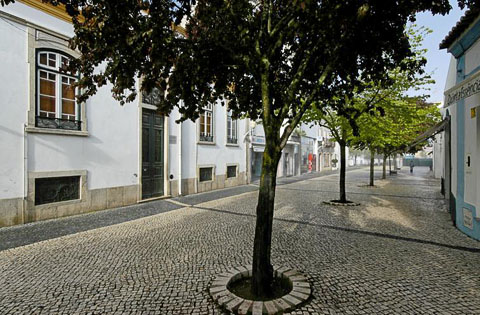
(269, 59)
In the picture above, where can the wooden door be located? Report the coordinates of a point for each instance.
(152, 154)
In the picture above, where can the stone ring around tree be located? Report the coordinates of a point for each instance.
(227, 293)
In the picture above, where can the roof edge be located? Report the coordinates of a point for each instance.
(462, 25)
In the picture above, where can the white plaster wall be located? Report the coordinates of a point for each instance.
(453, 114)
(189, 143)
(471, 148)
(220, 153)
(477, 163)
(452, 74)
(41, 18)
(189, 151)
(438, 155)
(472, 58)
(109, 153)
(173, 148)
(13, 102)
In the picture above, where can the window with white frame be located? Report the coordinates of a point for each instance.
(56, 104)
(232, 129)
(206, 124)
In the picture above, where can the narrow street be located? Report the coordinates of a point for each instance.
(396, 253)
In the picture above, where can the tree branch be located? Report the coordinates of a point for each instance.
(296, 119)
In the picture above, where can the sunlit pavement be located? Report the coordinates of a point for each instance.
(395, 253)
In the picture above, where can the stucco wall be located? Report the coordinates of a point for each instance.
(220, 153)
(112, 129)
(438, 155)
(14, 83)
(452, 74)
(454, 148)
(470, 135)
(472, 58)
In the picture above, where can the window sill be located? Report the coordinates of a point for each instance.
(231, 178)
(232, 144)
(154, 198)
(57, 131)
(206, 142)
(58, 204)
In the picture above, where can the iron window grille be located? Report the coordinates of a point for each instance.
(206, 138)
(56, 189)
(231, 171)
(58, 123)
(206, 174)
(155, 97)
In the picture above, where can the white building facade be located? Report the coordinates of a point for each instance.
(309, 149)
(62, 158)
(461, 142)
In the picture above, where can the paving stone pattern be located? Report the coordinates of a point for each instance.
(396, 253)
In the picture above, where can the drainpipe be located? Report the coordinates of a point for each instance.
(25, 172)
(196, 160)
(180, 159)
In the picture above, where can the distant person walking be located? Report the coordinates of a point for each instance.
(411, 166)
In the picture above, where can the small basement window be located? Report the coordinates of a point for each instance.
(206, 174)
(56, 189)
(231, 171)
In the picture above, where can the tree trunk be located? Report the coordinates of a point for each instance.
(262, 271)
(372, 166)
(384, 173)
(343, 160)
(390, 164)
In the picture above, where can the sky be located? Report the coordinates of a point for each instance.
(438, 60)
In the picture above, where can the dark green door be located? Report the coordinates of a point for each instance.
(152, 154)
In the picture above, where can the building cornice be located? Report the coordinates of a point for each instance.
(57, 11)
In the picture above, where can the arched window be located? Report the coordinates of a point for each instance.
(56, 104)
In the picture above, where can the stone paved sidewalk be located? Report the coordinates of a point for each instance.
(44, 230)
(397, 253)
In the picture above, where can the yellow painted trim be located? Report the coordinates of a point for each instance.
(58, 11)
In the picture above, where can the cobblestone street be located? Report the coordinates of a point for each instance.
(396, 253)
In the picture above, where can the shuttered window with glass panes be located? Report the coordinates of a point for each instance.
(56, 104)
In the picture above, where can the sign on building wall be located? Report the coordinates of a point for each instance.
(468, 218)
(463, 90)
(258, 140)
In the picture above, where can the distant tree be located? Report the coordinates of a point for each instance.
(269, 59)
(340, 113)
(395, 128)
(340, 130)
